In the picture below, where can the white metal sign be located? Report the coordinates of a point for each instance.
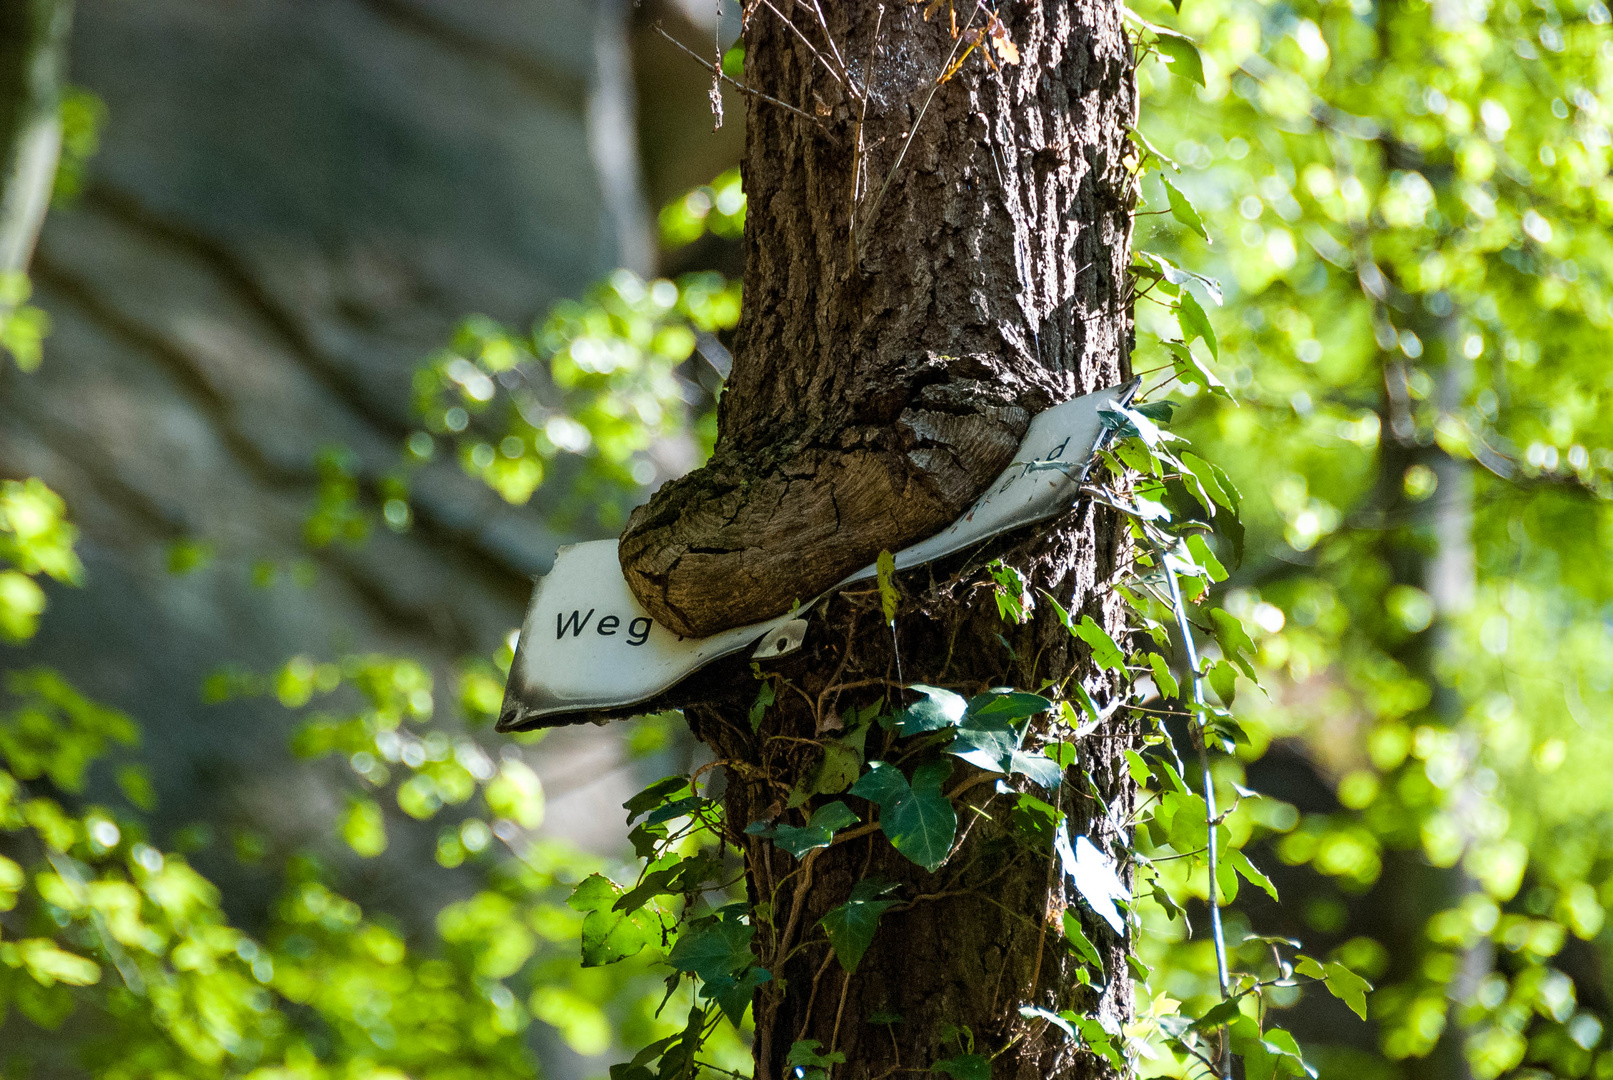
(588, 650)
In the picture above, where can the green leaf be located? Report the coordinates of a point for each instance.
(733, 995)
(1079, 940)
(1182, 54)
(1182, 210)
(836, 771)
(936, 709)
(1251, 873)
(714, 952)
(1005, 705)
(965, 1067)
(654, 795)
(1191, 369)
(885, 570)
(1105, 653)
(1205, 557)
(1195, 323)
(1037, 767)
(1234, 640)
(883, 784)
(1219, 1014)
(805, 1057)
(985, 742)
(609, 936)
(758, 709)
(851, 926)
(1163, 677)
(1224, 680)
(1347, 986)
(921, 822)
(817, 833)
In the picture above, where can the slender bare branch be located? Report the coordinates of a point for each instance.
(735, 83)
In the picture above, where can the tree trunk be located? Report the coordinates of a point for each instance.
(33, 48)
(908, 308)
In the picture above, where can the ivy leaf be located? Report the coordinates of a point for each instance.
(883, 784)
(1094, 878)
(1037, 767)
(1196, 324)
(817, 833)
(607, 935)
(832, 775)
(965, 1067)
(1006, 705)
(654, 795)
(655, 883)
(733, 995)
(937, 709)
(1032, 1012)
(918, 819)
(1183, 210)
(1180, 51)
(714, 952)
(851, 925)
(986, 743)
(809, 1063)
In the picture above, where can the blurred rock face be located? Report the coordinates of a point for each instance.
(294, 202)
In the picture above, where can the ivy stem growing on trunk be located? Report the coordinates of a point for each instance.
(1211, 814)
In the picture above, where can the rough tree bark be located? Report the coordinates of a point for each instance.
(908, 308)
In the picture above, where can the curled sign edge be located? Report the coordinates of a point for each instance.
(562, 685)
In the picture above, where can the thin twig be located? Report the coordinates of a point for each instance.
(826, 35)
(838, 77)
(735, 83)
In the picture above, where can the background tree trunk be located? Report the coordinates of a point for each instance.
(33, 56)
(893, 347)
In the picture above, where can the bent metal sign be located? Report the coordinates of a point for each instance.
(588, 650)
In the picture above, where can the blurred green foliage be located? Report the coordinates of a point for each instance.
(1393, 347)
(1409, 203)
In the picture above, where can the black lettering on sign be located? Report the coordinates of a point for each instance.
(575, 624)
(608, 625)
(1058, 451)
(636, 634)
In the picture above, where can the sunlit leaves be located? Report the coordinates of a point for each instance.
(609, 935)
(935, 709)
